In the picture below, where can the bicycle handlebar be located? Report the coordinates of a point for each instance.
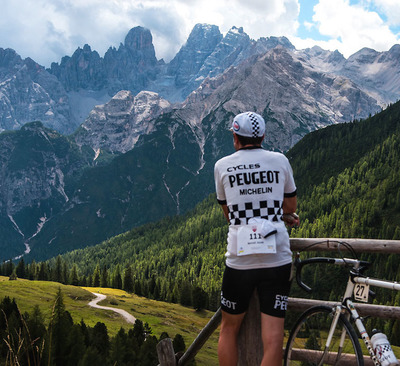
(357, 265)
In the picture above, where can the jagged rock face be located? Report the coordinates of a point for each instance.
(293, 98)
(129, 67)
(201, 43)
(83, 70)
(28, 93)
(36, 162)
(37, 165)
(133, 65)
(231, 51)
(190, 67)
(117, 125)
(376, 73)
(325, 61)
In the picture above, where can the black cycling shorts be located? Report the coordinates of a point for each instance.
(272, 284)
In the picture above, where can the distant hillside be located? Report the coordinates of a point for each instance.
(349, 178)
(349, 183)
(37, 170)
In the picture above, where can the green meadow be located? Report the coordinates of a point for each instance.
(161, 316)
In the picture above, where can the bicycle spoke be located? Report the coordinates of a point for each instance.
(307, 342)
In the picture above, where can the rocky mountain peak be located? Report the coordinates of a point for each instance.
(292, 96)
(138, 39)
(395, 50)
(272, 42)
(85, 79)
(237, 31)
(365, 55)
(202, 34)
(321, 59)
(117, 125)
(82, 70)
(393, 55)
(235, 41)
(8, 59)
(28, 92)
(201, 43)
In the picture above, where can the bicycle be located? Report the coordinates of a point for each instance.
(323, 335)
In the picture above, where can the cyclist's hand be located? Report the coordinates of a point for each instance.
(291, 219)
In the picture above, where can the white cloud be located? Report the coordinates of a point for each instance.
(349, 27)
(308, 25)
(261, 18)
(390, 8)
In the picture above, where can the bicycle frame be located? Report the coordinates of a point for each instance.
(347, 303)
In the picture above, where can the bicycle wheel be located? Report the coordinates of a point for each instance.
(307, 340)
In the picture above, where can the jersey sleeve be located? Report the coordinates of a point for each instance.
(219, 186)
(290, 189)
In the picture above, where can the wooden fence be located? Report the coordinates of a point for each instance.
(250, 330)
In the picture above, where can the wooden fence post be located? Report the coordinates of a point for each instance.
(250, 347)
(166, 353)
(203, 336)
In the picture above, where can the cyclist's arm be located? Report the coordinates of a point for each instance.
(289, 206)
(225, 211)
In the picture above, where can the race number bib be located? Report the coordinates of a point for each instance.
(250, 241)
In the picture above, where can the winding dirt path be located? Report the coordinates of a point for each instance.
(100, 297)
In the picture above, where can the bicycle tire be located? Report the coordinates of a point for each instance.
(310, 333)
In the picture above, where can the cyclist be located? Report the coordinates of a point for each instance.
(255, 188)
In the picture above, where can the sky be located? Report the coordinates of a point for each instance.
(47, 30)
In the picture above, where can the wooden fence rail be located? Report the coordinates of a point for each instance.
(359, 245)
(250, 331)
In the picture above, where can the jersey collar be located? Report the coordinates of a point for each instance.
(250, 148)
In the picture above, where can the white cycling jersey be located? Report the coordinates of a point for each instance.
(253, 182)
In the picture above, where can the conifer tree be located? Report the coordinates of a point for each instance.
(104, 277)
(75, 345)
(74, 278)
(43, 274)
(58, 270)
(100, 339)
(32, 270)
(199, 298)
(20, 270)
(128, 279)
(61, 324)
(96, 277)
(179, 343)
(117, 279)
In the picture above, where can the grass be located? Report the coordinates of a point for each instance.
(161, 316)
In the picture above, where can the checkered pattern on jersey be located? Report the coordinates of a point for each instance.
(240, 214)
(254, 124)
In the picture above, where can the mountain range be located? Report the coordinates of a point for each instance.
(63, 95)
(150, 132)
